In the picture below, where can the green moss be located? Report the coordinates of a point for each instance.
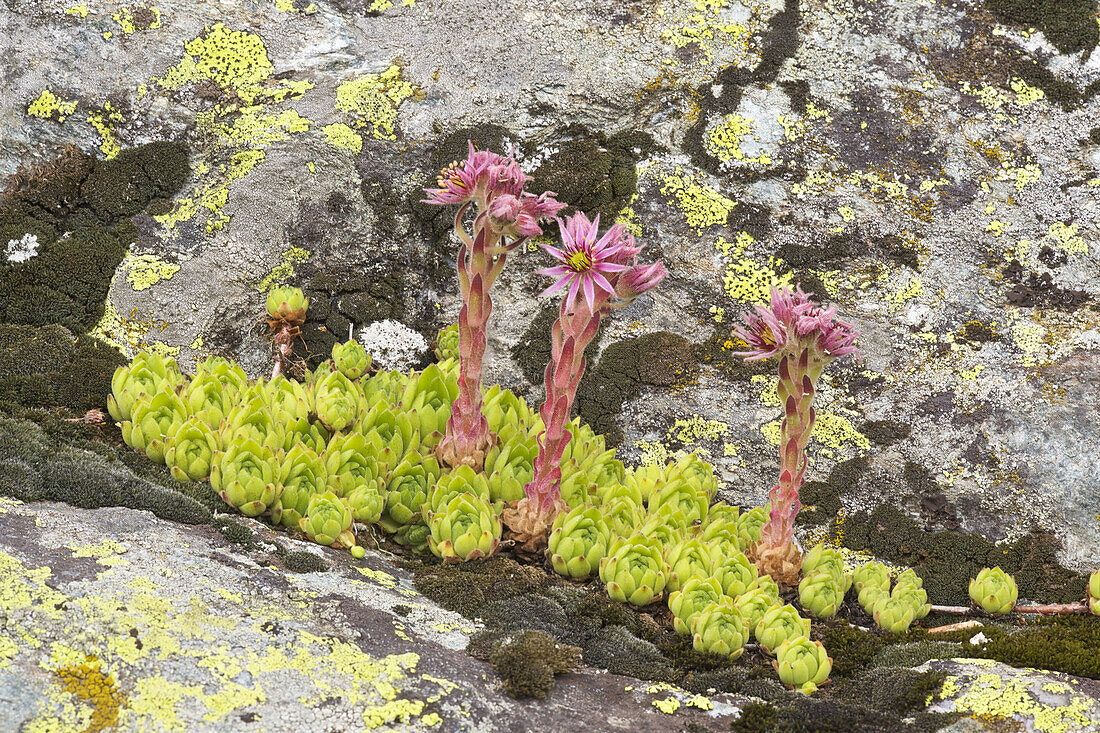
(755, 717)
(946, 561)
(89, 201)
(851, 649)
(916, 653)
(1070, 25)
(529, 661)
(236, 532)
(301, 561)
(624, 368)
(465, 588)
(897, 690)
(821, 499)
(1061, 644)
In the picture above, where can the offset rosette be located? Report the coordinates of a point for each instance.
(287, 305)
(210, 399)
(328, 521)
(427, 399)
(466, 528)
(686, 559)
(696, 472)
(509, 466)
(141, 378)
(366, 503)
(994, 590)
(623, 515)
(634, 571)
(337, 402)
(750, 523)
(351, 461)
(802, 664)
(695, 595)
(735, 573)
(302, 476)
(870, 573)
(679, 502)
(407, 491)
(821, 594)
(893, 613)
(446, 343)
(578, 542)
(385, 386)
(778, 624)
(647, 479)
(251, 418)
(351, 359)
(720, 628)
(462, 480)
(154, 420)
(244, 475)
(286, 399)
(190, 450)
(754, 603)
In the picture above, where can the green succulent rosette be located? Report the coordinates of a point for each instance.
(141, 378)
(155, 419)
(328, 521)
(578, 488)
(244, 475)
(1094, 593)
(821, 594)
(917, 598)
(720, 628)
(427, 399)
(750, 523)
(623, 516)
(679, 502)
(446, 343)
(690, 600)
(778, 624)
(909, 577)
(721, 513)
(465, 528)
(228, 373)
(415, 536)
(350, 461)
(394, 429)
(754, 603)
(688, 558)
(994, 590)
(893, 614)
(508, 415)
(385, 386)
(647, 479)
(407, 491)
(286, 399)
(351, 359)
(607, 492)
(802, 664)
(767, 584)
(584, 449)
(366, 503)
(189, 452)
(302, 475)
(870, 595)
(735, 573)
(337, 402)
(293, 433)
(509, 466)
(871, 573)
(722, 535)
(634, 571)
(823, 557)
(461, 480)
(210, 399)
(287, 304)
(578, 541)
(655, 527)
(318, 375)
(251, 419)
(696, 472)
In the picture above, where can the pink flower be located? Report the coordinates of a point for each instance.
(463, 181)
(791, 322)
(519, 217)
(638, 279)
(587, 263)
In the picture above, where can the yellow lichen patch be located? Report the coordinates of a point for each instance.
(132, 20)
(48, 106)
(79, 11)
(106, 552)
(343, 137)
(1025, 93)
(285, 269)
(131, 332)
(700, 22)
(724, 140)
(373, 100)
(380, 5)
(145, 271)
(1021, 176)
(255, 128)
(745, 279)
(913, 288)
(104, 121)
(1000, 696)
(696, 429)
(153, 704)
(378, 576)
(702, 205)
(89, 684)
(1067, 238)
(668, 706)
(1028, 337)
(22, 587)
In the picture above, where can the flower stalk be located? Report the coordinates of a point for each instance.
(507, 216)
(806, 339)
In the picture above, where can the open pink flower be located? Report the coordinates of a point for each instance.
(586, 262)
(790, 322)
(463, 181)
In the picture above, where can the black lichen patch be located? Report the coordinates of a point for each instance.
(975, 333)
(655, 360)
(301, 561)
(947, 560)
(1031, 289)
(529, 661)
(875, 138)
(755, 219)
(590, 172)
(885, 432)
(78, 209)
(821, 499)
(1070, 25)
(46, 366)
(852, 244)
(34, 466)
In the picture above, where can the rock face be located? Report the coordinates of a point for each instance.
(928, 166)
(151, 625)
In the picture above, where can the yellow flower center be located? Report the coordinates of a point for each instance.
(450, 175)
(580, 261)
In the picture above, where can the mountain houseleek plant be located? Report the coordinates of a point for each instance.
(805, 338)
(507, 216)
(598, 274)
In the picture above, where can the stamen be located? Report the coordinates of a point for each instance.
(579, 261)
